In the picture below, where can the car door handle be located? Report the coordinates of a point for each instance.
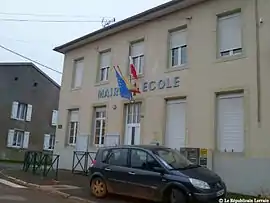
(107, 169)
(131, 173)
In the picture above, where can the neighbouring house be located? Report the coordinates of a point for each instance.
(29, 108)
(204, 69)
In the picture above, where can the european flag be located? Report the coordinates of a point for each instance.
(124, 91)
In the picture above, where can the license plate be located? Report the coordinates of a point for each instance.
(221, 192)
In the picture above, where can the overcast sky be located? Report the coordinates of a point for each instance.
(37, 39)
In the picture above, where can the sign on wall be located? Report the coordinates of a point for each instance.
(112, 139)
(146, 86)
(82, 143)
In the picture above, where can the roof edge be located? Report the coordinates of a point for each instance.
(34, 66)
(151, 14)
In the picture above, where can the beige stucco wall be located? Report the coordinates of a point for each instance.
(204, 75)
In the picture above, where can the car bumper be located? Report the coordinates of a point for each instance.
(208, 197)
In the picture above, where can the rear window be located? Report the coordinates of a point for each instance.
(117, 157)
(104, 155)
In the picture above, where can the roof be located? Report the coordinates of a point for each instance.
(148, 147)
(148, 15)
(32, 65)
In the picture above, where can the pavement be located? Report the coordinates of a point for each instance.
(68, 185)
(14, 193)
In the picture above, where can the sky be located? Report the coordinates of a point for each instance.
(36, 40)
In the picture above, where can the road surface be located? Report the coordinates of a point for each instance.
(13, 193)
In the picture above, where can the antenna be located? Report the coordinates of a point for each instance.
(106, 22)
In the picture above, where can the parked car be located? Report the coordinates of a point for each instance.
(153, 172)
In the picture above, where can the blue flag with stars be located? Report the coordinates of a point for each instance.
(124, 91)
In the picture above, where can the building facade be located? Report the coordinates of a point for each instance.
(204, 75)
(29, 106)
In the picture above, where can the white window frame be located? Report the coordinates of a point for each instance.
(102, 125)
(179, 48)
(133, 113)
(77, 84)
(73, 124)
(104, 67)
(138, 56)
(234, 50)
(15, 143)
(21, 111)
(51, 142)
(54, 117)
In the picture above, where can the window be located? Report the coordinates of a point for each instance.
(142, 160)
(54, 117)
(118, 157)
(105, 61)
(137, 55)
(18, 139)
(100, 125)
(178, 48)
(230, 123)
(78, 73)
(133, 112)
(21, 111)
(230, 35)
(73, 126)
(49, 141)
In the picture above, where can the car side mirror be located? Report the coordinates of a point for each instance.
(159, 169)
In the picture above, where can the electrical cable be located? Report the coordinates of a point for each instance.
(29, 59)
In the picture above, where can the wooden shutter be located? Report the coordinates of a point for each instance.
(14, 109)
(26, 140)
(29, 112)
(10, 137)
(230, 123)
(46, 143)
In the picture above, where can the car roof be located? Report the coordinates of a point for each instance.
(147, 147)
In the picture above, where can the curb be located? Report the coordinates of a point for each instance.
(47, 190)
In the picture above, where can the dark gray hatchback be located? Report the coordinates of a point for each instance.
(153, 172)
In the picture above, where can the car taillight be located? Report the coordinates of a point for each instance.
(93, 163)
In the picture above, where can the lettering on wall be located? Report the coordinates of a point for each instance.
(146, 86)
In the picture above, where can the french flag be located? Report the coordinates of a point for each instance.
(133, 71)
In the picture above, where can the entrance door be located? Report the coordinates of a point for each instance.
(132, 126)
(175, 123)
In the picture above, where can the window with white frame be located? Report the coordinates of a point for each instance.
(105, 61)
(78, 73)
(137, 55)
(133, 112)
(18, 138)
(73, 126)
(230, 35)
(100, 125)
(230, 123)
(49, 141)
(21, 111)
(54, 117)
(178, 48)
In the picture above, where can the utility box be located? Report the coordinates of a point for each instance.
(196, 155)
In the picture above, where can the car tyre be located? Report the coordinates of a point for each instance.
(177, 196)
(98, 187)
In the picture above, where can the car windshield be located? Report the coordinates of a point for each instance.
(172, 159)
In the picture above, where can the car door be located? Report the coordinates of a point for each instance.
(115, 170)
(142, 179)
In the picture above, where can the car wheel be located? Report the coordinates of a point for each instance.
(177, 196)
(98, 187)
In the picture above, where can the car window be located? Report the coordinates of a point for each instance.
(118, 157)
(104, 155)
(142, 160)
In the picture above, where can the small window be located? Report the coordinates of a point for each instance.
(18, 138)
(142, 160)
(178, 48)
(105, 61)
(78, 73)
(137, 55)
(230, 35)
(100, 125)
(21, 113)
(73, 126)
(118, 157)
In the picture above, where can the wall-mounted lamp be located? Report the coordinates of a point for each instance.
(114, 107)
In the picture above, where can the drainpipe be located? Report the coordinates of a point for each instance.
(258, 64)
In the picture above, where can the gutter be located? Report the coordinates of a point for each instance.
(258, 63)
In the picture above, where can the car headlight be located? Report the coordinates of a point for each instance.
(199, 183)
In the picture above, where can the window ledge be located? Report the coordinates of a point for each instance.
(18, 119)
(71, 145)
(102, 83)
(75, 89)
(176, 68)
(230, 58)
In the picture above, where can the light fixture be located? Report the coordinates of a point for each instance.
(114, 107)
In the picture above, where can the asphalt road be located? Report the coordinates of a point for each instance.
(13, 193)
